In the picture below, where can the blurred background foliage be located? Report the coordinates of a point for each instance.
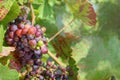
(97, 51)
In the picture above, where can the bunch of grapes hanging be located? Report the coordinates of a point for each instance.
(30, 44)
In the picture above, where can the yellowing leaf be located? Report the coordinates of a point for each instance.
(6, 51)
(83, 10)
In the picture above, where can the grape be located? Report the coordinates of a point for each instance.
(26, 49)
(32, 30)
(25, 41)
(43, 29)
(37, 39)
(21, 26)
(37, 52)
(27, 26)
(35, 67)
(49, 63)
(24, 31)
(13, 27)
(16, 39)
(32, 43)
(37, 26)
(9, 41)
(30, 36)
(31, 62)
(19, 19)
(18, 32)
(41, 77)
(44, 49)
(37, 34)
(11, 34)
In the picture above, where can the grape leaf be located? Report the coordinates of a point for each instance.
(6, 51)
(83, 10)
(13, 13)
(7, 74)
(38, 2)
(5, 7)
(21, 1)
(62, 45)
(1, 37)
(45, 10)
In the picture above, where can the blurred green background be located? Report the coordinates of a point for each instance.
(97, 52)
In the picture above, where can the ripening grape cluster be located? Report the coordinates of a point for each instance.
(30, 44)
(50, 71)
(28, 40)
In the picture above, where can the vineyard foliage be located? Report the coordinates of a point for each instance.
(89, 45)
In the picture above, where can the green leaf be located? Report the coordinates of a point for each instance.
(46, 11)
(21, 1)
(1, 37)
(38, 2)
(82, 10)
(7, 74)
(5, 7)
(13, 13)
(62, 45)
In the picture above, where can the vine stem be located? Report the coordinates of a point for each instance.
(61, 30)
(55, 58)
(33, 14)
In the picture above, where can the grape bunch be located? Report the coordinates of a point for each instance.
(30, 44)
(50, 71)
(28, 40)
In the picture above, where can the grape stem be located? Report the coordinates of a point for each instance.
(33, 14)
(61, 30)
(55, 59)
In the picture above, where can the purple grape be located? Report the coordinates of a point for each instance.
(38, 39)
(37, 34)
(13, 28)
(30, 36)
(16, 39)
(9, 41)
(25, 41)
(37, 26)
(26, 49)
(37, 52)
(20, 26)
(35, 67)
(11, 34)
(32, 43)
